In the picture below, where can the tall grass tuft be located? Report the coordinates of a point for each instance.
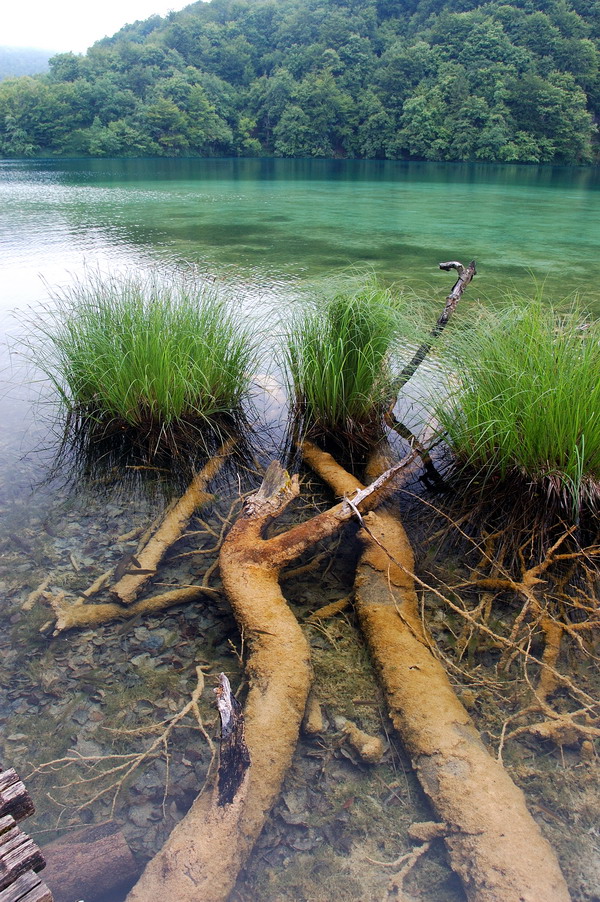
(526, 408)
(137, 353)
(337, 356)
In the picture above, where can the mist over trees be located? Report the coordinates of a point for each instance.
(381, 79)
(16, 61)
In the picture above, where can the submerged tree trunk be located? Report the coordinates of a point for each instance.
(494, 844)
(206, 850)
(171, 529)
(90, 864)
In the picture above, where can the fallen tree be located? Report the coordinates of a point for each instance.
(206, 850)
(494, 844)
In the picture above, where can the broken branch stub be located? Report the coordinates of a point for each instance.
(234, 758)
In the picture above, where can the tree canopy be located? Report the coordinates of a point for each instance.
(384, 79)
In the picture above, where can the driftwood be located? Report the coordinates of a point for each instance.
(465, 275)
(89, 864)
(494, 844)
(206, 850)
(73, 614)
(20, 858)
(128, 587)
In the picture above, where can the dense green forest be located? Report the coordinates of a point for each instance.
(395, 79)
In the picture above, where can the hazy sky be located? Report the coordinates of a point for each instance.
(62, 25)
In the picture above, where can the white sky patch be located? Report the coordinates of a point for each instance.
(64, 25)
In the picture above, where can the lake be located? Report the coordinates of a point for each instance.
(264, 230)
(271, 221)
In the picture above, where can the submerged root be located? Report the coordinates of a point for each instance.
(128, 587)
(106, 775)
(572, 728)
(71, 615)
(405, 863)
(369, 748)
(561, 728)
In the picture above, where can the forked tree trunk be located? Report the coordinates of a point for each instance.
(494, 844)
(201, 859)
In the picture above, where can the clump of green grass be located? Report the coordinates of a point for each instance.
(140, 354)
(337, 355)
(525, 414)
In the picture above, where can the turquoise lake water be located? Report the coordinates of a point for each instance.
(265, 222)
(265, 230)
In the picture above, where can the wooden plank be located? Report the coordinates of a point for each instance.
(7, 778)
(6, 823)
(27, 888)
(14, 798)
(18, 854)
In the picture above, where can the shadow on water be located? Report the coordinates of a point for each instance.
(270, 169)
(109, 454)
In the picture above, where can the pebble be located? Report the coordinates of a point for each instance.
(141, 660)
(140, 815)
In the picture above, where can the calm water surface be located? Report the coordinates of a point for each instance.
(264, 222)
(265, 229)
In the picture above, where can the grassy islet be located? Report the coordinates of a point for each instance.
(144, 353)
(525, 409)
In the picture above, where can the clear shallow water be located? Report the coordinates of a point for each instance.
(264, 228)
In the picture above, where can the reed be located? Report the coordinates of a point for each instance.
(525, 413)
(337, 358)
(141, 354)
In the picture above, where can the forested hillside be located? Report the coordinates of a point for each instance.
(22, 61)
(418, 79)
